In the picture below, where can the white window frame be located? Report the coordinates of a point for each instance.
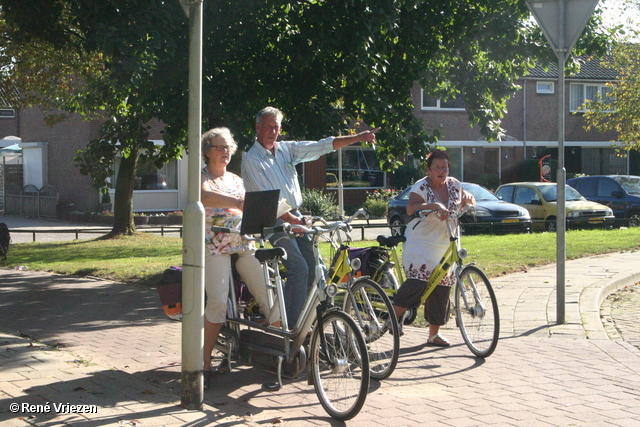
(170, 168)
(576, 106)
(7, 113)
(373, 168)
(545, 87)
(437, 106)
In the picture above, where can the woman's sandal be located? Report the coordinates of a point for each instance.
(439, 340)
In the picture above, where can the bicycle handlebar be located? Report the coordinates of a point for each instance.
(293, 229)
(423, 213)
(359, 213)
(299, 228)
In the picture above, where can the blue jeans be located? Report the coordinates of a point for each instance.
(300, 265)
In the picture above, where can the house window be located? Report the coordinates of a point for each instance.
(544, 87)
(581, 92)
(148, 177)
(360, 169)
(7, 113)
(431, 103)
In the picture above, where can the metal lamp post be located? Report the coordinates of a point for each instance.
(192, 396)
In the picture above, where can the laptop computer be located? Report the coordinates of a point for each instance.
(260, 209)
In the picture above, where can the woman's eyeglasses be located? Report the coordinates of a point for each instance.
(226, 148)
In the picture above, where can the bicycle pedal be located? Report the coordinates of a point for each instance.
(275, 386)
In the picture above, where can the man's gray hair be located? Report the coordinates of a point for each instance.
(270, 111)
(209, 136)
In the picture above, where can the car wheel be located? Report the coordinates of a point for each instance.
(634, 220)
(397, 228)
(551, 226)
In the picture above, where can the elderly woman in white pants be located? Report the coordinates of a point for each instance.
(222, 194)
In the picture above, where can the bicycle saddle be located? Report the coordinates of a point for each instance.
(391, 241)
(271, 253)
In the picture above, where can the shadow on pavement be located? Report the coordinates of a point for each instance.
(42, 309)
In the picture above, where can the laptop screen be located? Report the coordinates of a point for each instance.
(260, 209)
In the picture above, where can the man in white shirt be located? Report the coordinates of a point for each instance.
(271, 164)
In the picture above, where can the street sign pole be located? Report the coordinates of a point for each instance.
(562, 22)
(561, 179)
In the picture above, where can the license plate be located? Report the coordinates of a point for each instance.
(596, 220)
(510, 220)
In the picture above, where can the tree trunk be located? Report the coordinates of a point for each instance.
(123, 202)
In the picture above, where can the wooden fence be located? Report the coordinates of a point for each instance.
(9, 174)
(29, 201)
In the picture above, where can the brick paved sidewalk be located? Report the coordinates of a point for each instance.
(116, 350)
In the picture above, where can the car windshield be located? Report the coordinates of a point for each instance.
(550, 193)
(479, 192)
(631, 184)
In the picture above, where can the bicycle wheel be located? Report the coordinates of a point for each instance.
(368, 304)
(476, 310)
(339, 366)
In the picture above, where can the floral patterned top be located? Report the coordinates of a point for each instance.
(220, 243)
(428, 239)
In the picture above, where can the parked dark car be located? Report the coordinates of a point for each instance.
(492, 215)
(621, 193)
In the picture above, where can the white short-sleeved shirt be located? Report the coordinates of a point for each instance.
(428, 239)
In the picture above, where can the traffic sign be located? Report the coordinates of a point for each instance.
(562, 21)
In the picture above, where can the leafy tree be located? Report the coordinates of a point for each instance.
(326, 63)
(619, 111)
(121, 61)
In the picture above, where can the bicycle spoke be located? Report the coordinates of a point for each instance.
(477, 312)
(371, 308)
(339, 366)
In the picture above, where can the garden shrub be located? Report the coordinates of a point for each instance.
(317, 203)
(377, 201)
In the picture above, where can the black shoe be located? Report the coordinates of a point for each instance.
(222, 368)
(206, 375)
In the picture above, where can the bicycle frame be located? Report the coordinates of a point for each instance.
(392, 261)
(337, 352)
(293, 338)
(453, 255)
(317, 299)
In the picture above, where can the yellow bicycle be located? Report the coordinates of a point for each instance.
(474, 301)
(366, 302)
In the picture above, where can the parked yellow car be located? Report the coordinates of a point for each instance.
(540, 199)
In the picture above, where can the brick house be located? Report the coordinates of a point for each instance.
(532, 129)
(48, 153)
(531, 133)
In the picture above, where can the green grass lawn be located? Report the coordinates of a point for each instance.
(141, 259)
(137, 259)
